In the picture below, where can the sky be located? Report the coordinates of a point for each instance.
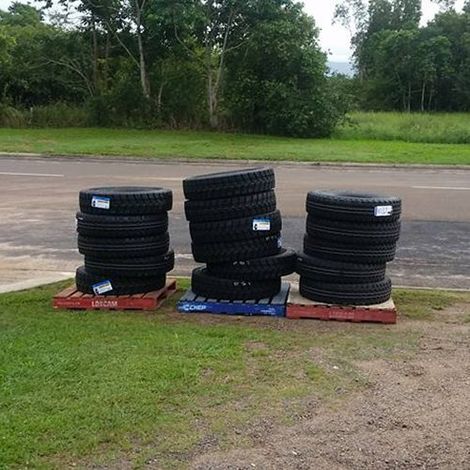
(335, 39)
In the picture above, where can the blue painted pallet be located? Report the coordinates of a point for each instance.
(273, 307)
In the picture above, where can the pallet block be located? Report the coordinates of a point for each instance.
(273, 307)
(72, 299)
(299, 307)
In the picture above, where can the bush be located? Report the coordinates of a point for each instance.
(58, 115)
(11, 117)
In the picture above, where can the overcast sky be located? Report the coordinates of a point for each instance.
(334, 38)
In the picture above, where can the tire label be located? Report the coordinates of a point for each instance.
(100, 202)
(102, 287)
(261, 225)
(383, 211)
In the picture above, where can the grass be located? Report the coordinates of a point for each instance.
(426, 304)
(196, 145)
(414, 127)
(108, 388)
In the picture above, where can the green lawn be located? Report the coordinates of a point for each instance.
(194, 145)
(443, 128)
(101, 387)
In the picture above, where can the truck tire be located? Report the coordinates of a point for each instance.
(365, 254)
(329, 271)
(230, 207)
(348, 205)
(121, 248)
(212, 287)
(121, 226)
(236, 229)
(229, 184)
(125, 200)
(235, 251)
(353, 233)
(346, 294)
(87, 282)
(152, 266)
(256, 269)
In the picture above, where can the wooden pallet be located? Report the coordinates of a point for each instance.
(72, 299)
(299, 307)
(273, 307)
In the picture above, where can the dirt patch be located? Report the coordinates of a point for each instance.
(415, 414)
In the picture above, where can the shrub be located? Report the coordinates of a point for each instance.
(58, 115)
(11, 117)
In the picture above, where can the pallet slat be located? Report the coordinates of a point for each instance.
(72, 299)
(67, 292)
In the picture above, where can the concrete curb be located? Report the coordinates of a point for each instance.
(36, 282)
(222, 161)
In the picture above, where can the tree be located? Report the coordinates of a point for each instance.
(172, 63)
(218, 27)
(433, 64)
(368, 18)
(277, 80)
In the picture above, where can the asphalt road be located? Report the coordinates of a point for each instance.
(39, 197)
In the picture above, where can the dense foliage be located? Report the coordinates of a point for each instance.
(404, 66)
(254, 65)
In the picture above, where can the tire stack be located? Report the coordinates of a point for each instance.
(350, 238)
(123, 233)
(236, 230)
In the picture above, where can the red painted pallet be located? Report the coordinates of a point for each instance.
(72, 299)
(299, 307)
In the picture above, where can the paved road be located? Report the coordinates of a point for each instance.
(38, 199)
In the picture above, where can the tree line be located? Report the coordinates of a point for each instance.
(402, 65)
(253, 65)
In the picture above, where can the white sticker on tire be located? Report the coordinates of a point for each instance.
(100, 202)
(261, 225)
(102, 287)
(383, 211)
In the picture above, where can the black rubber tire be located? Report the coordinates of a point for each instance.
(234, 229)
(365, 254)
(213, 287)
(120, 286)
(256, 269)
(328, 271)
(349, 205)
(235, 251)
(229, 183)
(121, 248)
(127, 200)
(121, 226)
(230, 207)
(346, 294)
(353, 233)
(132, 267)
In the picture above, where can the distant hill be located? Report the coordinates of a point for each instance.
(344, 68)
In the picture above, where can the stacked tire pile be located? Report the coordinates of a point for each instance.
(350, 238)
(123, 233)
(236, 230)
